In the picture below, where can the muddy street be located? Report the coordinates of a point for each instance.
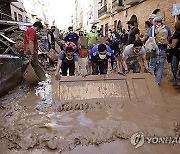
(90, 77)
(34, 121)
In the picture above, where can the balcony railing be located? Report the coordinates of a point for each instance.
(4, 16)
(102, 11)
(116, 3)
(131, 2)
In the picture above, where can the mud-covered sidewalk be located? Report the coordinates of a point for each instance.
(32, 122)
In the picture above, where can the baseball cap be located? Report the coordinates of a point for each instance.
(157, 19)
(70, 27)
(152, 16)
(93, 26)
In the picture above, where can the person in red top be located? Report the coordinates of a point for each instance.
(30, 39)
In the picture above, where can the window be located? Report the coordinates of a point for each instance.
(119, 25)
(27, 20)
(15, 16)
(106, 30)
(120, 3)
(105, 2)
(20, 18)
(102, 28)
(115, 25)
(134, 18)
(159, 13)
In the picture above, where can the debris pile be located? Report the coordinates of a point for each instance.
(12, 39)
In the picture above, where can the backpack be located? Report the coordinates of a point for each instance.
(151, 45)
(116, 38)
(161, 35)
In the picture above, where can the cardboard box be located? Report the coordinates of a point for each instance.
(30, 75)
(102, 40)
(39, 71)
(34, 73)
(83, 41)
(53, 55)
(57, 47)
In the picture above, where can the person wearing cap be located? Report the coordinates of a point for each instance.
(51, 38)
(151, 17)
(72, 37)
(67, 60)
(162, 33)
(30, 40)
(92, 37)
(133, 32)
(99, 56)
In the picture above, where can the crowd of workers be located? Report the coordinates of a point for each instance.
(125, 49)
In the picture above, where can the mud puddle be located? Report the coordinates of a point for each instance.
(31, 121)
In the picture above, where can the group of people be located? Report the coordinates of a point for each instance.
(152, 48)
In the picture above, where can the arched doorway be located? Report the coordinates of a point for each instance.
(134, 18)
(119, 26)
(159, 13)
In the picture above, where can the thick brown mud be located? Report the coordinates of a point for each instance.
(31, 121)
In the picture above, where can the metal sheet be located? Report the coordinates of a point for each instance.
(10, 73)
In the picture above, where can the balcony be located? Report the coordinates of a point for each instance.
(4, 16)
(104, 12)
(131, 2)
(117, 5)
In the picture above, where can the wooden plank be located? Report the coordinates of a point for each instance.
(135, 88)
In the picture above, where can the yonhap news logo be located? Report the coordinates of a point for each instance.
(138, 139)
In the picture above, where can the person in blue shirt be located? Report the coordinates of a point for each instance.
(72, 37)
(162, 34)
(99, 56)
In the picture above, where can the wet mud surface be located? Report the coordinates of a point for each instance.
(31, 121)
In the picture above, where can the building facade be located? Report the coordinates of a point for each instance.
(5, 9)
(86, 14)
(38, 10)
(18, 12)
(114, 14)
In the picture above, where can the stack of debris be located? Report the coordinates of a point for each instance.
(13, 36)
(13, 64)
